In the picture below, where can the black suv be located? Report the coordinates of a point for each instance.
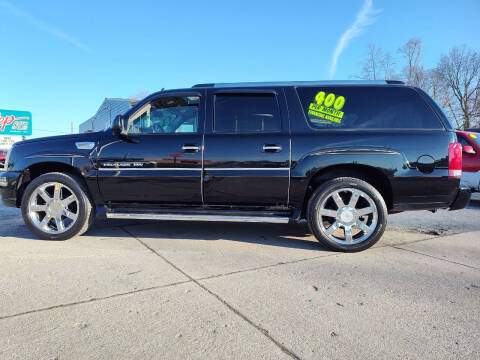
(341, 155)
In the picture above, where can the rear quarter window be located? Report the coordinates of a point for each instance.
(366, 107)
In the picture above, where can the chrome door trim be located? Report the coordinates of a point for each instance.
(186, 169)
(195, 148)
(260, 169)
(276, 148)
(147, 169)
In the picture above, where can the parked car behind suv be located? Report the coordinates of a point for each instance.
(3, 154)
(471, 159)
(341, 155)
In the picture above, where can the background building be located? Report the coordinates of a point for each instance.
(110, 108)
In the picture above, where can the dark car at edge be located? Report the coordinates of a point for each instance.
(340, 154)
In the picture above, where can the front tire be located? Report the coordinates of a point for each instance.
(56, 206)
(347, 214)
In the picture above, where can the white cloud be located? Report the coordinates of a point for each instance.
(365, 17)
(44, 26)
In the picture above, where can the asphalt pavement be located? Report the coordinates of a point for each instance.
(194, 290)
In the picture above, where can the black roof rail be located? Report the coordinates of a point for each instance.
(300, 83)
(203, 85)
(395, 82)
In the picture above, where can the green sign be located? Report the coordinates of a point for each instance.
(15, 122)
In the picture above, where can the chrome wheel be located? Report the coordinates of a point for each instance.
(53, 207)
(347, 216)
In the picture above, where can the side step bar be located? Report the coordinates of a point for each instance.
(198, 217)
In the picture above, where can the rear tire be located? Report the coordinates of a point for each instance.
(56, 206)
(347, 214)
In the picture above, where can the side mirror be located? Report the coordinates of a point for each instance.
(119, 127)
(469, 150)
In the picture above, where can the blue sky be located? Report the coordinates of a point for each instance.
(60, 59)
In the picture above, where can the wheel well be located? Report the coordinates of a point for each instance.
(373, 176)
(38, 169)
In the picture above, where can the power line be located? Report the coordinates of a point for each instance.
(51, 131)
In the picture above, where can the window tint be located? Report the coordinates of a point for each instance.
(463, 141)
(166, 115)
(366, 107)
(246, 113)
(475, 138)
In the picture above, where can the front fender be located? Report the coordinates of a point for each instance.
(30, 161)
(81, 163)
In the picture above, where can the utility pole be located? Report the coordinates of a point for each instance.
(72, 127)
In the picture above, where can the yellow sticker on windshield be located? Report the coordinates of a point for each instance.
(327, 106)
(473, 136)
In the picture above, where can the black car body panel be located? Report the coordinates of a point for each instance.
(274, 169)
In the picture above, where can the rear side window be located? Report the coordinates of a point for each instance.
(366, 107)
(244, 113)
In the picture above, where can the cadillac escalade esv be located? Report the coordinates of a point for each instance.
(341, 155)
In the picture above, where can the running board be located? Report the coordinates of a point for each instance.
(198, 217)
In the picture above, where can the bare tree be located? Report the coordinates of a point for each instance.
(388, 65)
(378, 64)
(139, 95)
(413, 72)
(460, 69)
(436, 86)
(371, 67)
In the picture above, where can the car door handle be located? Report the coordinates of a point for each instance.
(190, 148)
(272, 148)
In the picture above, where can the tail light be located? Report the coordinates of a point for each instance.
(455, 160)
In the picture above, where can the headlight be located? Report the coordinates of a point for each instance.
(5, 166)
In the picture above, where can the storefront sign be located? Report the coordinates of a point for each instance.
(15, 122)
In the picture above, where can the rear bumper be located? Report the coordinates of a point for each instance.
(8, 187)
(462, 199)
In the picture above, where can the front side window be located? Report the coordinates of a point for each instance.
(166, 115)
(246, 113)
(366, 107)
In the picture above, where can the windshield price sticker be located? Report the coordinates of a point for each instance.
(328, 107)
